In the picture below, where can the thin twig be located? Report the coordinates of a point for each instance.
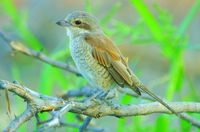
(85, 124)
(81, 92)
(19, 47)
(5, 38)
(56, 116)
(19, 120)
(89, 128)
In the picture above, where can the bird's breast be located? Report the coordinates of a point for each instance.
(96, 74)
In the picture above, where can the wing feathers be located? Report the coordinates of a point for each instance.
(122, 70)
(118, 79)
(104, 51)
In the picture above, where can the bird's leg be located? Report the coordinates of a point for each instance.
(95, 96)
(103, 96)
(110, 94)
(106, 96)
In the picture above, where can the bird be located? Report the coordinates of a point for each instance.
(97, 58)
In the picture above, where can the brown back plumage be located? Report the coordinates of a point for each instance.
(108, 55)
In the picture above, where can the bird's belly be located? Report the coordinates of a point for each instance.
(96, 74)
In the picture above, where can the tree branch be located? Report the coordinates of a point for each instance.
(89, 128)
(85, 124)
(19, 47)
(57, 107)
(18, 121)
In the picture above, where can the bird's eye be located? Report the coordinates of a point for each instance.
(77, 22)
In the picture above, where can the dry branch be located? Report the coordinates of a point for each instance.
(37, 102)
(19, 47)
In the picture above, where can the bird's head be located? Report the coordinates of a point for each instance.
(79, 22)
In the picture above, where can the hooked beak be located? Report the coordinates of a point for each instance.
(63, 23)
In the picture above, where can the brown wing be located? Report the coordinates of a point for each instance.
(108, 55)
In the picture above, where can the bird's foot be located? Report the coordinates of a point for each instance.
(110, 94)
(103, 96)
(95, 97)
(107, 96)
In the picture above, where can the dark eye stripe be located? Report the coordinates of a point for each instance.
(77, 22)
(83, 25)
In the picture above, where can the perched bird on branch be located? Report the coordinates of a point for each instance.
(99, 61)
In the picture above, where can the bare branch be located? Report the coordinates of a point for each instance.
(15, 123)
(57, 107)
(19, 47)
(83, 91)
(35, 103)
(89, 128)
(85, 124)
(5, 38)
(56, 116)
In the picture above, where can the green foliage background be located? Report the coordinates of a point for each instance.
(157, 29)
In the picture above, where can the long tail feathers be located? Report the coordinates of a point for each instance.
(139, 86)
(146, 90)
(136, 90)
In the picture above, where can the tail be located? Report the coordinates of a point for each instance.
(136, 90)
(137, 86)
(146, 90)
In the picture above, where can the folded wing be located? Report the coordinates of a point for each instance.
(108, 55)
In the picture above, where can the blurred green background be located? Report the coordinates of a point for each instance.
(160, 37)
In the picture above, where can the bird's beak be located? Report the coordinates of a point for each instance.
(63, 23)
